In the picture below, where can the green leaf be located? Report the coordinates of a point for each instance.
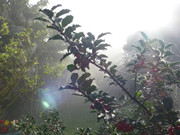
(168, 53)
(157, 118)
(143, 51)
(56, 37)
(41, 19)
(91, 89)
(71, 67)
(102, 47)
(75, 26)
(68, 32)
(58, 20)
(148, 104)
(91, 36)
(144, 35)
(168, 103)
(112, 83)
(157, 52)
(103, 56)
(78, 35)
(52, 27)
(87, 83)
(113, 70)
(67, 20)
(139, 93)
(97, 42)
(121, 79)
(142, 43)
(54, 7)
(66, 87)
(153, 40)
(178, 74)
(83, 77)
(74, 78)
(47, 12)
(162, 44)
(62, 12)
(121, 98)
(138, 48)
(103, 34)
(168, 46)
(64, 56)
(130, 64)
(174, 64)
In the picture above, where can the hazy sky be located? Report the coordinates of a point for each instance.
(120, 17)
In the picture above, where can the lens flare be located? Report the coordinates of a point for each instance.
(45, 104)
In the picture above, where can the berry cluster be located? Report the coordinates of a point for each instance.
(124, 126)
(154, 71)
(99, 104)
(143, 133)
(172, 130)
(141, 63)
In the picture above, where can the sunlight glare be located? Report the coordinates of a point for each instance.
(45, 104)
(120, 17)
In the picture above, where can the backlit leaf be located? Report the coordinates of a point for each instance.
(91, 36)
(161, 43)
(62, 12)
(41, 19)
(103, 34)
(174, 64)
(139, 93)
(78, 35)
(83, 77)
(168, 46)
(97, 42)
(64, 56)
(168, 53)
(67, 20)
(71, 67)
(56, 37)
(142, 43)
(102, 47)
(47, 12)
(144, 35)
(137, 47)
(74, 78)
(54, 7)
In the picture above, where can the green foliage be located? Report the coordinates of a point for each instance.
(84, 131)
(146, 110)
(25, 58)
(50, 124)
(15, 66)
(62, 12)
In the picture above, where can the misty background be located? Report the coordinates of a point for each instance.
(124, 20)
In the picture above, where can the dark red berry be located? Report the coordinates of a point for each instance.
(143, 133)
(92, 106)
(170, 128)
(178, 127)
(1, 121)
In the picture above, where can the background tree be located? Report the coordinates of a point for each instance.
(26, 59)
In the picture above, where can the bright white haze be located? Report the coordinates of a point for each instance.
(120, 17)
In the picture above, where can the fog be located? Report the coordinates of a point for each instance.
(124, 19)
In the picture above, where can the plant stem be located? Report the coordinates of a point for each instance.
(106, 71)
(122, 87)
